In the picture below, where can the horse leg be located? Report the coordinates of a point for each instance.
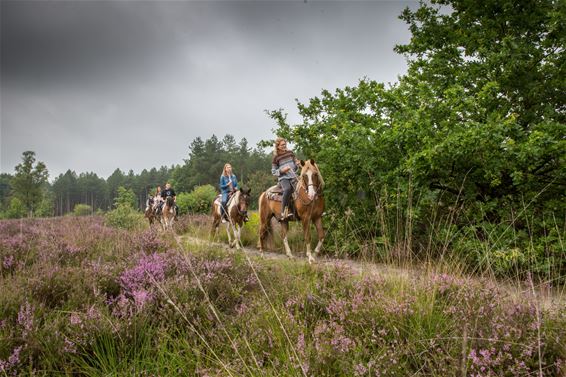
(228, 227)
(307, 237)
(320, 233)
(214, 230)
(237, 230)
(284, 231)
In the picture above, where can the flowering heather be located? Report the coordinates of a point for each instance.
(77, 296)
(25, 318)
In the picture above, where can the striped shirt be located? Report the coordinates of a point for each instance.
(280, 161)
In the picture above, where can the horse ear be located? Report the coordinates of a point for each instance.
(312, 161)
(302, 162)
(249, 191)
(241, 190)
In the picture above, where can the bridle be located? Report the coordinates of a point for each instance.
(316, 188)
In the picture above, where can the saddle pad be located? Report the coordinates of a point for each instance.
(275, 193)
(275, 196)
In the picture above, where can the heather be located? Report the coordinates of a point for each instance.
(80, 298)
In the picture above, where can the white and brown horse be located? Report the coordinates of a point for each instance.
(237, 210)
(150, 211)
(168, 213)
(309, 206)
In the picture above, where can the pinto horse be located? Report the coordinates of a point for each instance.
(309, 206)
(237, 210)
(168, 213)
(149, 210)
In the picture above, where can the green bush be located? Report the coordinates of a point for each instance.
(82, 210)
(197, 201)
(125, 217)
(16, 209)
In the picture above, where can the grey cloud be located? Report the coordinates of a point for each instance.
(95, 86)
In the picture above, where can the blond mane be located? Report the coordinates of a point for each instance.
(314, 167)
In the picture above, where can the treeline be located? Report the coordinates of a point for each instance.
(28, 193)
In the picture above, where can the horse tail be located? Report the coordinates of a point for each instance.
(265, 229)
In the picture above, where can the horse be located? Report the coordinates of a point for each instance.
(149, 213)
(168, 213)
(237, 210)
(309, 206)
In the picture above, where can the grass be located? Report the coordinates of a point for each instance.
(138, 303)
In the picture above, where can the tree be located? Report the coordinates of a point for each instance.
(478, 122)
(4, 188)
(126, 197)
(28, 181)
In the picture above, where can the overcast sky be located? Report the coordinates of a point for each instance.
(99, 85)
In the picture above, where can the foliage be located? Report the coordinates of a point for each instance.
(472, 134)
(16, 209)
(82, 210)
(28, 181)
(125, 217)
(258, 182)
(125, 197)
(197, 201)
(207, 158)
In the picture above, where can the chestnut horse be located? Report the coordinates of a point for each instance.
(168, 213)
(237, 208)
(309, 206)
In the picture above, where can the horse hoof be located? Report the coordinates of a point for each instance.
(311, 260)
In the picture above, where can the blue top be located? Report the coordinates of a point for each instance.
(224, 180)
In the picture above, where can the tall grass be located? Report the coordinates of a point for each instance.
(105, 301)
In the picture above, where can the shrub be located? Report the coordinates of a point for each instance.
(125, 217)
(82, 210)
(197, 201)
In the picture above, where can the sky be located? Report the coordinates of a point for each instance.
(93, 86)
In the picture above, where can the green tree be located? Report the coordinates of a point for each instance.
(126, 198)
(28, 182)
(477, 121)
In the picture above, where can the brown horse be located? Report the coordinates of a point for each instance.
(168, 213)
(309, 206)
(237, 208)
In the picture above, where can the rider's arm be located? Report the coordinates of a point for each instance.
(275, 170)
(223, 182)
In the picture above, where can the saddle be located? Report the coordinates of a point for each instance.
(218, 199)
(275, 193)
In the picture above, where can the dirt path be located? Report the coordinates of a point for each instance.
(548, 300)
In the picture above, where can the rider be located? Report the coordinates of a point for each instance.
(284, 166)
(157, 199)
(169, 192)
(228, 185)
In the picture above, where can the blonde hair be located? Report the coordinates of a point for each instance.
(224, 170)
(276, 144)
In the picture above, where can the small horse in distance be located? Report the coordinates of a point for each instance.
(168, 213)
(309, 206)
(149, 213)
(237, 210)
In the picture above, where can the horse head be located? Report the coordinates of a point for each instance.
(169, 202)
(310, 178)
(244, 201)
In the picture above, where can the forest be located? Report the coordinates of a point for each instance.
(29, 193)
